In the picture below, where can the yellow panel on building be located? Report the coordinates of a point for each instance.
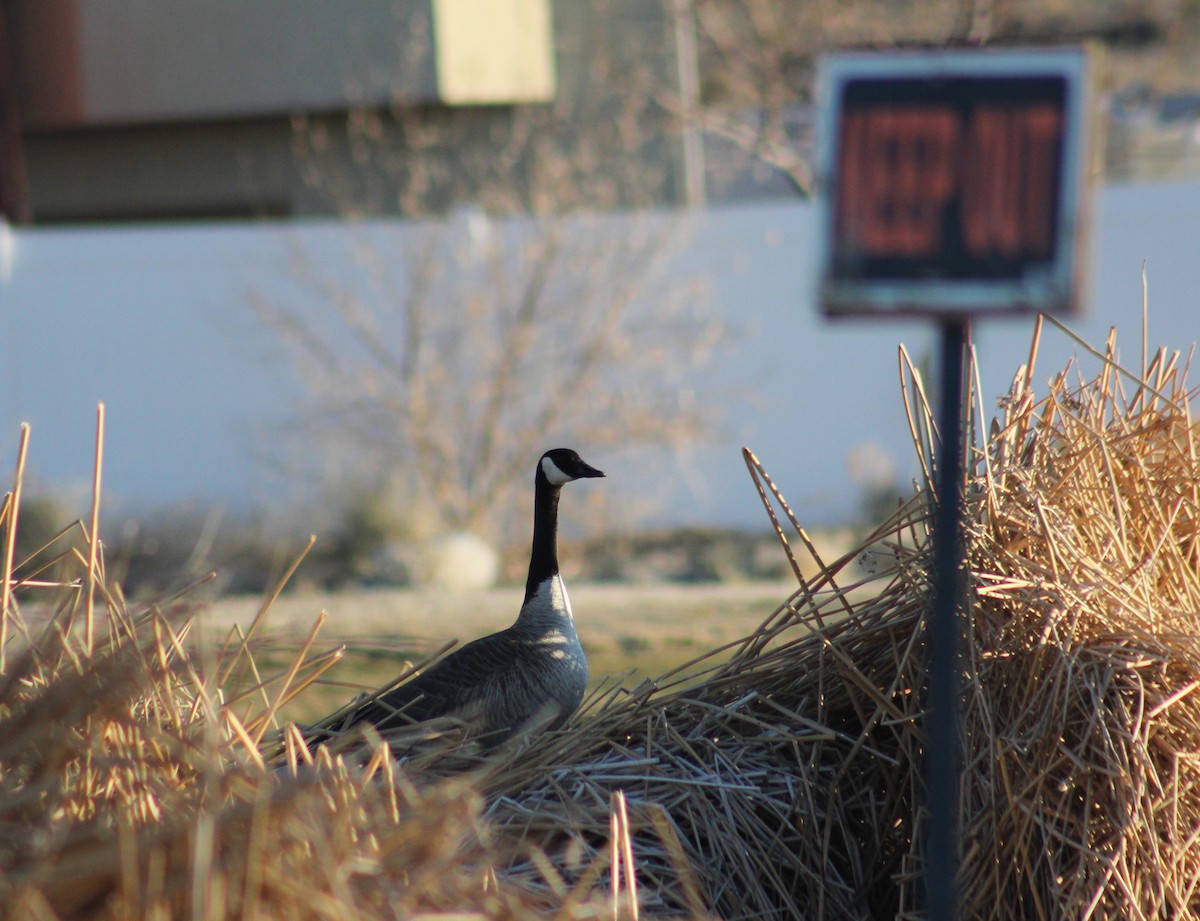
(494, 51)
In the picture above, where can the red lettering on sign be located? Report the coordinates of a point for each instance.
(990, 222)
(1008, 185)
(897, 171)
(1043, 133)
(901, 164)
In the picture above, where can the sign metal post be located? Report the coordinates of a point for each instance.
(944, 653)
(952, 184)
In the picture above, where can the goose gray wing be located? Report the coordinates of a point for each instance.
(450, 685)
(501, 681)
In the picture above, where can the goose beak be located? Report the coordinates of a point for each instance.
(590, 471)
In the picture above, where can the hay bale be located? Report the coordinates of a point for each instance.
(791, 776)
(1083, 794)
(132, 784)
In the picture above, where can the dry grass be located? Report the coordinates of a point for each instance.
(132, 783)
(785, 782)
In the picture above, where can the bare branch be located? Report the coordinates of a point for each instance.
(446, 383)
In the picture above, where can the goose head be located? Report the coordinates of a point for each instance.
(562, 465)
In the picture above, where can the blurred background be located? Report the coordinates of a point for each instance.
(348, 269)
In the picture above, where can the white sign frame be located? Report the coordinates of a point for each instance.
(1057, 286)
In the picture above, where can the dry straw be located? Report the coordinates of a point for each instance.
(133, 785)
(778, 777)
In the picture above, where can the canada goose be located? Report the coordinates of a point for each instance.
(531, 674)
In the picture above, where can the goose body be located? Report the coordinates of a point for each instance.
(532, 674)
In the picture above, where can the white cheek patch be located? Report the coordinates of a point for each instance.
(553, 474)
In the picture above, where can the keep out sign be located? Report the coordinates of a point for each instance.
(952, 181)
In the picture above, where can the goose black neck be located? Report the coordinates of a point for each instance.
(543, 560)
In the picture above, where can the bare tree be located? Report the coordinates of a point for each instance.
(457, 350)
(757, 58)
(641, 86)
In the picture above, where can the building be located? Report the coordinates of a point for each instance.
(143, 110)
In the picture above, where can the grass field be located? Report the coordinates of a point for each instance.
(628, 631)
